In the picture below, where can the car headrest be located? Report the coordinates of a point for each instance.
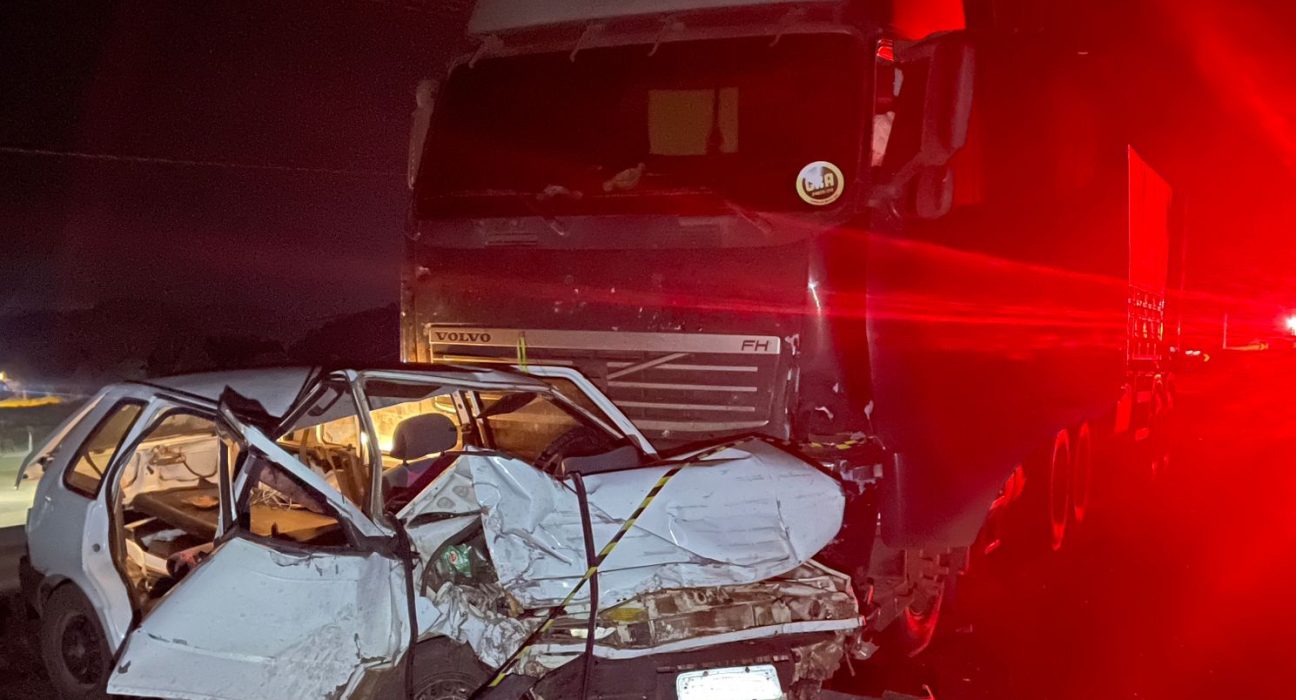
(422, 435)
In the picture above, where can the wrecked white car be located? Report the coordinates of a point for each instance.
(424, 532)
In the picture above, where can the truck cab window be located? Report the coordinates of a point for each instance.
(622, 129)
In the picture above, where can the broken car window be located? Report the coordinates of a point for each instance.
(275, 505)
(87, 470)
(537, 429)
(168, 500)
(418, 430)
(327, 438)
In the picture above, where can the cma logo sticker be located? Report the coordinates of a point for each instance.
(820, 183)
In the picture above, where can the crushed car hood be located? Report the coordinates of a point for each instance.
(744, 513)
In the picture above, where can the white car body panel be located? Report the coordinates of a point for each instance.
(274, 389)
(744, 514)
(255, 622)
(449, 612)
(32, 467)
(261, 619)
(102, 576)
(72, 530)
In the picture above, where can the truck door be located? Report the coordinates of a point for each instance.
(298, 597)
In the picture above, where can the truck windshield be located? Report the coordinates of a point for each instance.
(630, 129)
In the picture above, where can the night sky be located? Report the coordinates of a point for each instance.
(1210, 88)
(309, 85)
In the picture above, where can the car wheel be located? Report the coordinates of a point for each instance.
(446, 670)
(73, 646)
(1059, 489)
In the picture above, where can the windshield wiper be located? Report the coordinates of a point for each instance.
(749, 215)
(532, 202)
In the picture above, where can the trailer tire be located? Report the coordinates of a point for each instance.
(1158, 425)
(1081, 472)
(1059, 494)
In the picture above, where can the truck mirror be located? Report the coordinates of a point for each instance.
(933, 192)
(947, 104)
(931, 107)
(421, 120)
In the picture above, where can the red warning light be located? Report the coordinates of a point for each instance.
(886, 50)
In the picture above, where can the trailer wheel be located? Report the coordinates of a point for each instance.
(1059, 489)
(1081, 472)
(1158, 424)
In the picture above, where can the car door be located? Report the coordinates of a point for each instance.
(299, 597)
(67, 527)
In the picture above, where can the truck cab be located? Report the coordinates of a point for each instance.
(795, 219)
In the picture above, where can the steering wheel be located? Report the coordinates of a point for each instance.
(579, 441)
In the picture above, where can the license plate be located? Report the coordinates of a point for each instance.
(737, 683)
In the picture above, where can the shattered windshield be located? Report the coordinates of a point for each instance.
(624, 129)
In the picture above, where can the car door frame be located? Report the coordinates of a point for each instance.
(365, 539)
(592, 392)
(89, 565)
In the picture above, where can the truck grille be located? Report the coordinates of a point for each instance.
(674, 386)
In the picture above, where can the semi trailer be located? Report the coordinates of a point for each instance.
(803, 220)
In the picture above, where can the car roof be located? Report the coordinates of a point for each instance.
(278, 388)
(275, 388)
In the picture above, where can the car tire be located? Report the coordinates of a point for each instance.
(446, 670)
(74, 646)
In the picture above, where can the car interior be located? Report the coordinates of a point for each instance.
(168, 503)
(169, 499)
(422, 429)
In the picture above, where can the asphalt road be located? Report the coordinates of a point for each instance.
(1177, 587)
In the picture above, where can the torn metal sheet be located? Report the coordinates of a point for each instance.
(253, 622)
(451, 492)
(460, 613)
(652, 620)
(746, 513)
